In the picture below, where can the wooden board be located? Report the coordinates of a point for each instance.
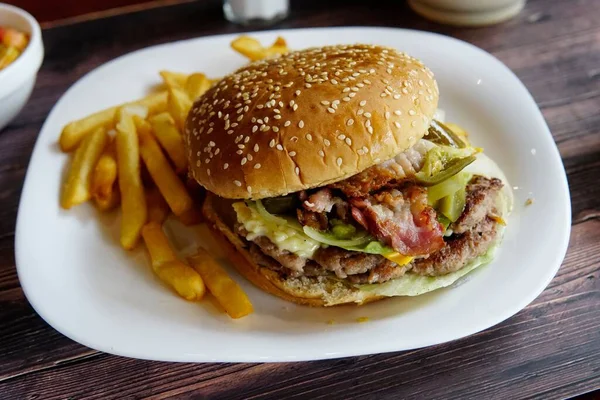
(549, 350)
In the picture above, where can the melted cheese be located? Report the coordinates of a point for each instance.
(283, 236)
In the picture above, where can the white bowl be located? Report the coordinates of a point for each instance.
(17, 80)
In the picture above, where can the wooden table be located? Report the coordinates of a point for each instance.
(551, 349)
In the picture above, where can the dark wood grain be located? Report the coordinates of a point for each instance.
(551, 349)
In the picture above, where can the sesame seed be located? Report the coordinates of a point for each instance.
(309, 137)
(246, 139)
(360, 111)
(362, 103)
(334, 81)
(368, 114)
(244, 161)
(370, 129)
(272, 143)
(292, 153)
(239, 152)
(249, 189)
(397, 124)
(342, 136)
(325, 102)
(256, 148)
(413, 124)
(346, 99)
(346, 89)
(383, 95)
(295, 107)
(301, 124)
(368, 123)
(297, 92)
(398, 112)
(297, 171)
(321, 153)
(254, 128)
(350, 122)
(287, 123)
(404, 90)
(257, 166)
(275, 129)
(327, 142)
(279, 147)
(225, 166)
(277, 116)
(339, 161)
(238, 183)
(348, 141)
(331, 110)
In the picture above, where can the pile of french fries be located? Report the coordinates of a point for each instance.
(132, 155)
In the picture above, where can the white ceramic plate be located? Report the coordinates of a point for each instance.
(83, 284)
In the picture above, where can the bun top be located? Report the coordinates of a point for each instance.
(307, 119)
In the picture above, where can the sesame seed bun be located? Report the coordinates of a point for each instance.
(307, 119)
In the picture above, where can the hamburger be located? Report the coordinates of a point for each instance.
(331, 181)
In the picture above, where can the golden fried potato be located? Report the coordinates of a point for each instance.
(104, 189)
(163, 175)
(74, 132)
(196, 85)
(174, 79)
(158, 209)
(178, 104)
(251, 48)
(79, 179)
(170, 139)
(133, 200)
(183, 279)
(229, 294)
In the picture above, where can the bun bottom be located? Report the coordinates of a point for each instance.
(311, 291)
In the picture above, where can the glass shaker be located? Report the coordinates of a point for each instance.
(256, 12)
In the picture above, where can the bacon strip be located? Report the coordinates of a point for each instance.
(401, 219)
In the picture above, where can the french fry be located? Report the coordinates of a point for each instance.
(170, 139)
(182, 278)
(191, 217)
(104, 190)
(196, 85)
(174, 79)
(79, 179)
(133, 201)
(74, 132)
(178, 104)
(158, 209)
(229, 294)
(251, 48)
(167, 181)
(109, 202)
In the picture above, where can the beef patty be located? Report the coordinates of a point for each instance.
(474, 232)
